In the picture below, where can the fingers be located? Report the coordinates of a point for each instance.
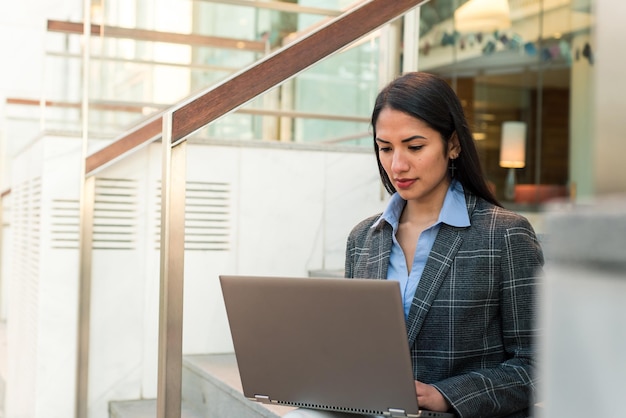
(428, 397)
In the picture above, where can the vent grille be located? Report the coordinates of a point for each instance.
(28, 223)
(115, 214)
(26, 227)
(333, 408)
(207, 216)
(114, 218)
(65, 224)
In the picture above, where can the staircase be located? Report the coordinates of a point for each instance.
(210, 385)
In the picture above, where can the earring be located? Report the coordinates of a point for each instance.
(452, 167)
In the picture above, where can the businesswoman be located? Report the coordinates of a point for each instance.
(467, 268)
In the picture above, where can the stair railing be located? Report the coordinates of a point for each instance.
(174, 125)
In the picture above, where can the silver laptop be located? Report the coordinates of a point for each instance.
(322, 343)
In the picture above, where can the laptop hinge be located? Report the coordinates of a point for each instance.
(393, 412)
(262, 398)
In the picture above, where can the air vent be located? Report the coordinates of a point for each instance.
(64, 230)
(332, 408)
(26, 224)
(207, 216)
(115, 214)
(25, 278)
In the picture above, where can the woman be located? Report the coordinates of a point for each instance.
(467, 268)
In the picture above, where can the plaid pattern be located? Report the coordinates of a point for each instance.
(471, 326)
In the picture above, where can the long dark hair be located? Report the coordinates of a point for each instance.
(429, 98)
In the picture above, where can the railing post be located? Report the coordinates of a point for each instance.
(87, 203)
(85, 233)
(172, 270)
(411, 37)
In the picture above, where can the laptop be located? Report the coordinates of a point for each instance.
(322, 343)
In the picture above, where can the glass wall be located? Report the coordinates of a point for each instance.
(327, 103)
(149, 55)
(513, 61)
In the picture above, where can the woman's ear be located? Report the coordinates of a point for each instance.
(454, 146)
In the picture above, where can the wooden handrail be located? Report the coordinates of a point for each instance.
(284, 63)
(148, 131)
(245, 85)
(157, 36)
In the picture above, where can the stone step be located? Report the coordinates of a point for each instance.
(211, 388)
(211, 384)
(146, 408)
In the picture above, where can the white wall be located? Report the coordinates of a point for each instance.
(6, 242)
(23, 38)
(42, 313)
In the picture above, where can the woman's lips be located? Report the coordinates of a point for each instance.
(404, 183)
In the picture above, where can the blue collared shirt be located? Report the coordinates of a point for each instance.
(453, 212)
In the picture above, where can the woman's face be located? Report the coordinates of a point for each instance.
(413, 156)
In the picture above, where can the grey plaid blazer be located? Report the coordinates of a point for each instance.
(471, 326)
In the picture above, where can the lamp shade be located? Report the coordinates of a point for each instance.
(513, 145)
(482, 16)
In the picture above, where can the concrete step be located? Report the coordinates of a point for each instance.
(211, 384)
(211, 388)
(146, 408)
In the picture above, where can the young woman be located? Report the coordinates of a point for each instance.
(467, 268)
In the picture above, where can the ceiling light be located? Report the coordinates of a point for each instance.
(482, 16)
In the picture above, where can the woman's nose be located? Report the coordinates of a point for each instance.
(399, 162)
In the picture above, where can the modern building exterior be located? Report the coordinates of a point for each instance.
(272, 187)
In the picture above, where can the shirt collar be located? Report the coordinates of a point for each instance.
(453, 212)
(454, 209)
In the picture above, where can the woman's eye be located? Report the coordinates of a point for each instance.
(415, 147)
(385, 149)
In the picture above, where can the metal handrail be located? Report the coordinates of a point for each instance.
(283, 64)
(157, 36)
(133, 107)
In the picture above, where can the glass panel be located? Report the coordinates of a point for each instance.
(516, 67)
(151, 55)
(327, 103)
(344, 84)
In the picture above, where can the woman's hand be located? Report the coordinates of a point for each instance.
(428, 397)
